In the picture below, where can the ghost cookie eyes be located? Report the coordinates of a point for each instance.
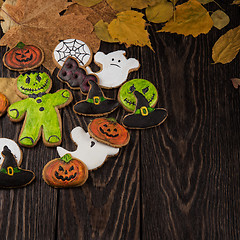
(127, 98)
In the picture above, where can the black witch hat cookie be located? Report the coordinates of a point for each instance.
(144, 116)
(96, 103)
(11, 176)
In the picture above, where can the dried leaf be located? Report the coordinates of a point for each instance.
(227, 46)
(235, 82)
(101, 11)
(159, 13)
(101, 30)
(220, 19)
(39, 23)
(237, 2)
(191, 18)
(7, 87)
(205, 1)
(8, 22)
(87, 3)
(124, 5)
(129, 28)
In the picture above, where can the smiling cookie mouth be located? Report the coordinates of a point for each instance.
(109, 135)
(37, 89)
(113, 64)
(65, 178)
(26, 59)
(134, 104)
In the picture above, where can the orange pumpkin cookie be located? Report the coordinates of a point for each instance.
(109, 131)
(23, 57)
(4, 103)
(65, 172)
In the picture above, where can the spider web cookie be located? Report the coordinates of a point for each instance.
(73, 48)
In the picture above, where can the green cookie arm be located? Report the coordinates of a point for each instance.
(60, 97)
(17, 110)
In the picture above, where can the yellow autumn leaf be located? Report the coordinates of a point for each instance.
(227, 46)
(159, 13)
(220, 19)
(87, 3)
(191, 18)
(129, 28)
(237, 2)
(123, 5)
(101, 30)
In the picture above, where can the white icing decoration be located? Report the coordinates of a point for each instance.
(74, 48)
(16, 151)
(115, 68)
(89, 151)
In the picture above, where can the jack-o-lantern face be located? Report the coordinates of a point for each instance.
(107, 130)
(24, 57)
(65, 172)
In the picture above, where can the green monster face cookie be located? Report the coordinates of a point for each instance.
(33, 83)
(127, 98)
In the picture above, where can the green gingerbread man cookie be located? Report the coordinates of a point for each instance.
(40, 109)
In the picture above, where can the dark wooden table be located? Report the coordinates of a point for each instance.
(176, 181)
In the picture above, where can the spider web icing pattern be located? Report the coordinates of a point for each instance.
(74, 48)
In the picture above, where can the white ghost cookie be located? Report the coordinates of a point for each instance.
(115, 68)
(89, 151)
(15, 150)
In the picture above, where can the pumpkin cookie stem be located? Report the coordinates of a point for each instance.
(66, 158)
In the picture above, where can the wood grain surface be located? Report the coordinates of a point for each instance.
(179, 180)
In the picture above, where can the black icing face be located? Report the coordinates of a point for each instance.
(109, 131)
(65, 174)
(143, 86)
(116, 62)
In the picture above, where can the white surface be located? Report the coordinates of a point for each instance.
(16, 151)
(74, 48)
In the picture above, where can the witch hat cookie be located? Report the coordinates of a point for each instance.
(96, 103)
(11, 176)
(144, 116)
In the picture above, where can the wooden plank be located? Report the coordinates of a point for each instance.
(190, 164)
(108, 205)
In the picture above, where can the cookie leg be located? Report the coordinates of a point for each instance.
(52, 133)
(29, 134)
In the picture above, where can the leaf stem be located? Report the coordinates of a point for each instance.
(218, 5)
(10, 16)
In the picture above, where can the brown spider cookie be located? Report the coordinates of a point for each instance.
(23, 57)
(12, 176)
(65, 172)
(144, 116)
(109, 131)
(96, 103)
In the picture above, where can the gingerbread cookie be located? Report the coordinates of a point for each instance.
(13, 147)
(4, 103)
(115, 68)
(72, 48)
(41, 108)
(96, 103)
(65, 172)
(109, 131)
(144, 116)
(12, 176)
(90, 151)
(127, 98)
(75, 76)
(23, 57)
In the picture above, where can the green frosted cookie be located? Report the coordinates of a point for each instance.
(39, 108)
(127, 98)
